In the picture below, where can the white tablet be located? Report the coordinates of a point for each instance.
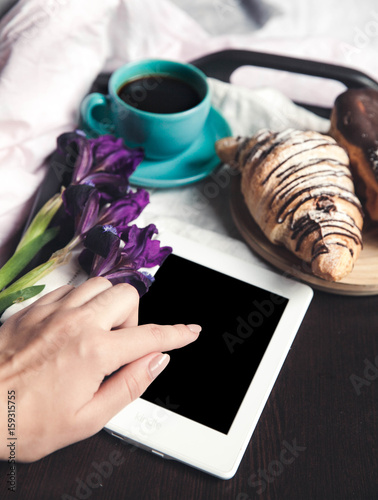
(203, 408)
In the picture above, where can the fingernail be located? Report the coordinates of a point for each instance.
(194, 328)
(158, 364)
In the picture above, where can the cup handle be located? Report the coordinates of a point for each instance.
(101, 123)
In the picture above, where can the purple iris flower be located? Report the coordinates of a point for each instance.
(102, 205)
(104, 162)
(121, 261)
(100, 175)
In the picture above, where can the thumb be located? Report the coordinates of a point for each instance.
(123, 387)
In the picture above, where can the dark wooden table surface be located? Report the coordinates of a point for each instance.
(322, 410)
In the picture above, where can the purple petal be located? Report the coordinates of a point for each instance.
(101, 251)
(122, 162)
(90, 213)
(140, 250)
(111, 186)
(86, 260)
(81, 160)
(101, 265)
(102, 240)
(75, 197)
(111, 155)
(156, 254)
(104, 145)
(76, 153)
(82, 203)
(121, 212)
(140, 281)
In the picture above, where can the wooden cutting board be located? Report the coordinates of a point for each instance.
(363, 280)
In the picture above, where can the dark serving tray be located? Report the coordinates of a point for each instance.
(221, 65)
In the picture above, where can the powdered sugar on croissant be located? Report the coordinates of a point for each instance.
(298, 187)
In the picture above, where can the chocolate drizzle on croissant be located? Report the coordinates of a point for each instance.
(298, 188)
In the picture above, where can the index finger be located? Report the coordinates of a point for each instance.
(127, 345)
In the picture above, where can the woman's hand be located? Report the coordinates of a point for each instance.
(55, 354)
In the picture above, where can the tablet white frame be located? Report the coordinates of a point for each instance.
(173, 436)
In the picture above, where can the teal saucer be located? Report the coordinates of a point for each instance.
(194, 164)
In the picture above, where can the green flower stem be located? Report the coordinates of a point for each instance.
(36, 237)
(71, 245)
(19, 296)
(13, 267)
(23, 287)
(41, 220)
(30, 278)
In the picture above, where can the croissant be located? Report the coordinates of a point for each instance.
(298, 188)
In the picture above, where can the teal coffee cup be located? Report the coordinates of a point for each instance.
(159, 105)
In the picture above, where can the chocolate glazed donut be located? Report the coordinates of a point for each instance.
(354, 125)
(298, 188)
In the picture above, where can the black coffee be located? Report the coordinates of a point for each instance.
(159, 94)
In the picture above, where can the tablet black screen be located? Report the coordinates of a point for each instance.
(207, 380)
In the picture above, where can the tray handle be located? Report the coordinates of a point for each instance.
(222, 64)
